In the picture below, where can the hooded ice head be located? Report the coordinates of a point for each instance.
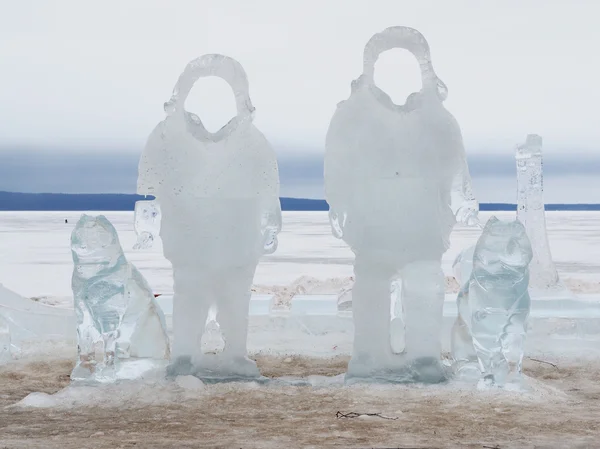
(95, 241)
(503, 251)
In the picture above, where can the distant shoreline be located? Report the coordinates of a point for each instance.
(15, 201)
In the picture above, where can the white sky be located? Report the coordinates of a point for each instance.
(95, 74)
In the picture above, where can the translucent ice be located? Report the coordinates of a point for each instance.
(4, 341)
(219, 196)
(396, 180)
(117, 315)
(530, 212)
(146, 223)
(463, 266)
(494, 305)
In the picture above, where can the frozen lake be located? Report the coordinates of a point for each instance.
(35, 257)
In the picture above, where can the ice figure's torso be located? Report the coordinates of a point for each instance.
(213, 194)
(215, 189)
(391, 171)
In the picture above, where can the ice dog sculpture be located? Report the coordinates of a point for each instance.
(494, 305)
(219, 198)
(396, 180)
(114, 305)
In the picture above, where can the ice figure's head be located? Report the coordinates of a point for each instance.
(503, 250)
(95, 241)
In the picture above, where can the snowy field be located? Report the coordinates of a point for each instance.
(35, 257)
(561, 408)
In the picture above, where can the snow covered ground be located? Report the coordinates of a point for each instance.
(35, 257)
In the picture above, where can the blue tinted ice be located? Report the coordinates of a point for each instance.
(494, 305)
(117, 316)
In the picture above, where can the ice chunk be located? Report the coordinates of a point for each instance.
(5, 351)
(494, 305)
(531, 212)
(146, 223)
(463, 265)
(219, 197)
(396, 180)
(117, 315)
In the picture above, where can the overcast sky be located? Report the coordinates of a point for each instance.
(83, 75)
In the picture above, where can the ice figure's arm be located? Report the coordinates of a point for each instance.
(150, 173)
(338, 182)
(146, 219)
(462, 201)
(271, 225)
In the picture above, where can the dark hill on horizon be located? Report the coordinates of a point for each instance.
(15, 201)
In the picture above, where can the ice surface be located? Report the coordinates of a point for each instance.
(306, 246)
(397, 180)
(117, 316)
(32, 325)
(494, 306)
(531, 212)
(146, 223)
(5, 349)
(219, 197)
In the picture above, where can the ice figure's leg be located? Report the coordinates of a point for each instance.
(232, 314)
(109, 360)
(397, 323)
(192, 298)
(371, 314)
(423, 301)
(487, 329)
(87, 336)
(463, 352)
(513, 344)
(86, 359)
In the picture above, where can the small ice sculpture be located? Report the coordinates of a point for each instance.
(4, 341)
(117, 315)
(494, 306)
(146, 223)
(530, 212)
(397, 180)
(219, 196)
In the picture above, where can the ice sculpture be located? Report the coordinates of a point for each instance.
(494, 305)
(219, 196)
(146, 223)
(530, 212)
(117, 315)
(396, 180)
(4, 341)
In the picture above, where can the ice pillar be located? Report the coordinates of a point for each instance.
(531, 212)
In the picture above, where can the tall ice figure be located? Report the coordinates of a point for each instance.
(219, 199)
(397, 180)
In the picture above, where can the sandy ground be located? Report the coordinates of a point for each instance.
(564, 411)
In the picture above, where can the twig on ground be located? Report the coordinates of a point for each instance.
(497, 446)
(543, 361)
(356, 415)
